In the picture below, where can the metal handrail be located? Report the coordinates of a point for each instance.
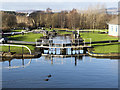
(16, 46)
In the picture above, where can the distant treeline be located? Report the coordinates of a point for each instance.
(93, 18)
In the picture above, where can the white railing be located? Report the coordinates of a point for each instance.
(16, 46)
(12, 67)
(62, 42)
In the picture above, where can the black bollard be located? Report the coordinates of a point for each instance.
(84, 50)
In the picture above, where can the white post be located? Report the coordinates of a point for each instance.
(62, 43)
(36, 41)
(90, 41)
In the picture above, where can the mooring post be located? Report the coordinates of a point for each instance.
(9, 63)
(84, 50)
(55, 51)
(9, 48)
(71, 51)
(75, 60)
(23, 62)
(22, 51)
(84, 42)
(48, 51)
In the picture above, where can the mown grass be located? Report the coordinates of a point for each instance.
(99, 48)
(30, 37)
(107, 49)
(18, 50)
(17, 30)
(102, 47)
(62, 33)
(96, 37)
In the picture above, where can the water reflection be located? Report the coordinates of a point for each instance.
(53, 58)
(53, 71)
(46, 57)
(18, 65)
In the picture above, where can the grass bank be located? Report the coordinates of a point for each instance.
(29, 37)
(96, 37)
(107, 48)
(102, 47)
(18, 50)
(62, 32)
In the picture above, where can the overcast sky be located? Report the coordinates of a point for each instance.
(57, 5)
(59, 0)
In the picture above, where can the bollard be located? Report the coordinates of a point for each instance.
(9, 48)
(9, 63)
(84, 50)
(71, 51)
(79, 51)
(55, 51)
(22, 51)
(23, 62)
(48, 51)
(75, 60)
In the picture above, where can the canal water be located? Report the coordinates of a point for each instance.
(60, 72)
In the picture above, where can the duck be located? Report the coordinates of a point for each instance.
(46, 79)
(49, 75)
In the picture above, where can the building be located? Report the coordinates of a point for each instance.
(114, 27)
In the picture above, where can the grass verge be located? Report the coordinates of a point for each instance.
(102, 47)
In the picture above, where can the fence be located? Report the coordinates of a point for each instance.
(62, 42)
(11, 48)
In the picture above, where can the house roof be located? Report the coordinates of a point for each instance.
(115, 21)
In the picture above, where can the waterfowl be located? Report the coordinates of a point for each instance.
(49, 75)
(46, 79)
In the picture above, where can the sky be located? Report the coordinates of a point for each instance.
(59, 0)
(53, 4)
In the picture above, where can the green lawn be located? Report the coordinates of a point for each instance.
(17, 30)
(62, 33)
(18, 50)
(30, 37)
(96, 37)
(101, 47)
(107, 49)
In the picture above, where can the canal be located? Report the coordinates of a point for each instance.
(49, 71)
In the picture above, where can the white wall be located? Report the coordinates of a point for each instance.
(114, 30)
(118, 30)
